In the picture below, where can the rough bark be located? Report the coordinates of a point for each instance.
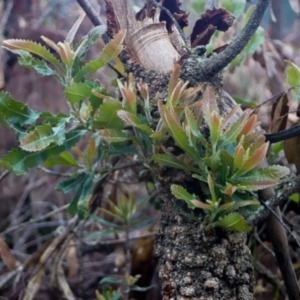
(199, 264)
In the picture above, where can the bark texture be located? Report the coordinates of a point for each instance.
(197, 263)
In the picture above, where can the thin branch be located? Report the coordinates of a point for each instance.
(90, 11)
(277, 235)
(38, 219)
(215, 64)
(281, 222)
(55, 173)
(3, 175)
(276, 200)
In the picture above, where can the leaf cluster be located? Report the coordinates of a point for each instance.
(50, 139)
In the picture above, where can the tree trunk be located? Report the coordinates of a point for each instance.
(195, 263)
(200, 264)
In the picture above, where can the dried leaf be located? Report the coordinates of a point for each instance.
(34, 284)
(6, 255)
(217, 18)
(280, 111)
(72, 260)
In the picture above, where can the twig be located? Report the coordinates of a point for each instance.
(41, 218)
(269, 250)
(55, 173)
(5, 16)
(281, 222)
(120, 240)
(276, 200)
(90, 11)
(217, 63)
(280, 244)
(172, 18)
(3, 175)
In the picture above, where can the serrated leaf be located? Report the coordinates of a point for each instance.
(133, 120)
(177, 132)
(113, 135)
(253, 160)
(110, 51)
(181, 193)
(20, 161)
(26, 60)
(264, 177)
(42, 136)
(14, 113)
(172, 161)
(77, 92)
(191, 121)
(68, 185)
(233, 222)
(233, 131)
(34, 48)
(107, 116)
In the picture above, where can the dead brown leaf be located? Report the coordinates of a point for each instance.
(211, 20)
(6, 255)
(279, 113)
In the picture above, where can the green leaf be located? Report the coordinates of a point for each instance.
(133, 120)
(42, 136)
(236, 7)
(20, 161)
(63, 159)
(262, 178)
(233, 131)
(192, 123)
(85, 191)
(198, 6)
(32, 47)
(14, 113)
(293, 76)
(40, 66)
(77, 92)
(169, 160)
(87, 42)
(181, 193)
(233, 222)
(255, 42)
(110, 51)
(295, 197)
(177, 133)
(115, 150)
(113, 135)
(107, 116)
(68, 185)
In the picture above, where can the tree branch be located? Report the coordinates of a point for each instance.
(276, 200)
(90, 11)
(215, 64)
